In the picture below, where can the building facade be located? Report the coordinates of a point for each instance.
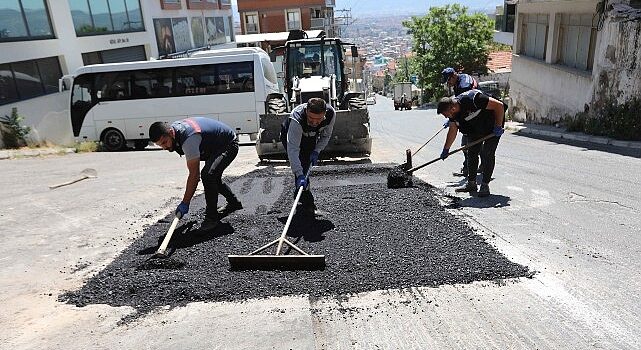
(260, 16)
(569, 56)
(41, 40)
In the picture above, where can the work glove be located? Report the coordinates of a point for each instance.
(498, 131)
(182, 210)
(446, 124)
(301, 181)
(313, 158)
(445, 153)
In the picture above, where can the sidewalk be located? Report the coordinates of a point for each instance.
(551, 131)
(33, 152)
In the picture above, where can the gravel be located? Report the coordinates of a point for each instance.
(372, 237)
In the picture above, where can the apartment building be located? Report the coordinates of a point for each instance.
(40, 40)
(261, 16)
(572, 56)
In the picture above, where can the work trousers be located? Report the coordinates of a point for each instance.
(486, 150)
(211, 176)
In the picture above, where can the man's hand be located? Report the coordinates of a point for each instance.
(301, 181)
(313, 157)
(446, 124)
(498, 131)
(182, 210)
(445, 153)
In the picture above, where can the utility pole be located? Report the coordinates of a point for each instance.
(343, 21)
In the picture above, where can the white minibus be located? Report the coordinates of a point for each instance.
(116, 103)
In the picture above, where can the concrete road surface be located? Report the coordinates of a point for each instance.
(570, 213)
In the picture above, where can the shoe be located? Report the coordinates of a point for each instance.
(484, 191)
(209, 224)
(469, 187)
(230, 207)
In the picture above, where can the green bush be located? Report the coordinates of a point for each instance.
(17, 133)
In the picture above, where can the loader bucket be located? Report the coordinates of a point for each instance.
(350, 137)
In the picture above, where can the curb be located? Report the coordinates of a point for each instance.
(574, 136)
(20, 153)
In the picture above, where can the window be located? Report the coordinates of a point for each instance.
(293, 19)
(28, 79)
(223, 78)
(534, 35)
(251, 23)
(94, 17)
(24, 20)
(577, 40)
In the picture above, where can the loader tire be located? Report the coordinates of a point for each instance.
(276, 106)
(355, 103)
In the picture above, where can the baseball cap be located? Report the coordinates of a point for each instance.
(447, 72)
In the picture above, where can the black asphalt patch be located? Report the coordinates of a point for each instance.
(372, 237)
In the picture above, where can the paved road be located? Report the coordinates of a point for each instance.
(570, 213)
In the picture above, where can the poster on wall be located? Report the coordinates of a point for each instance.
(164, 36)
(197, 31)
(182, 38)
(215, 30)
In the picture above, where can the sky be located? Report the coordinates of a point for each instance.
(364, 8)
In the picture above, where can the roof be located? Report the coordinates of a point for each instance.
(500, 62)
(279, 36)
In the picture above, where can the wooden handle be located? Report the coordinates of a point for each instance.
(452, 152)
(69, 182)
(165, 242)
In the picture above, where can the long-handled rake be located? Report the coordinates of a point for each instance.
(279, 261)
(408, 153)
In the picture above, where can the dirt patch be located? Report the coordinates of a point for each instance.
(372, 237)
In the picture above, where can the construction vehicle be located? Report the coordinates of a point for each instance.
(403, 96)
(315, 68)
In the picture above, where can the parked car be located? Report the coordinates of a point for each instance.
(490, 88)
(371, 99)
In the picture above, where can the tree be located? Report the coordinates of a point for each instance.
(449, 37)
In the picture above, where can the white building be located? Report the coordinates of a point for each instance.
(40, 40)
(571, 56)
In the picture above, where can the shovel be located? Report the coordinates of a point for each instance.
(85, 174)
(401, 177)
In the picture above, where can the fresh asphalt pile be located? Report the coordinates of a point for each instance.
(372, 237)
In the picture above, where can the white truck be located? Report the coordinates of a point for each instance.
(403, 96)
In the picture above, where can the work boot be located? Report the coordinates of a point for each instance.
(469, 187)
(484, 191)
(230, 206)
(209, 224)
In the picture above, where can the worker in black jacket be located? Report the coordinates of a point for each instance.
(476, 115)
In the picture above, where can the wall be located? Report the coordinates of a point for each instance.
(617, 72)
(48, 117)
(541, 90)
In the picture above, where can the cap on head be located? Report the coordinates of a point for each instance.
(447, 73)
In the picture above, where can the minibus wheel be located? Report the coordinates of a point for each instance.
(113, 140)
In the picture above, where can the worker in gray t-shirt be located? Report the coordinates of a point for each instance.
(201, 139)
(305, 134)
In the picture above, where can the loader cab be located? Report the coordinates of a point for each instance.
(313, 63)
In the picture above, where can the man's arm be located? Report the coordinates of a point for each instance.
(497, 109)
(325, 136)
(294, 135)
(193, 165)
(191, 147)
(451, 135)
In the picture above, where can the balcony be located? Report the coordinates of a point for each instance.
(293, 25)
(251, 28)
(318, 23)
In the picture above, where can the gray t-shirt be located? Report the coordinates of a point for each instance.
(191, 147)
